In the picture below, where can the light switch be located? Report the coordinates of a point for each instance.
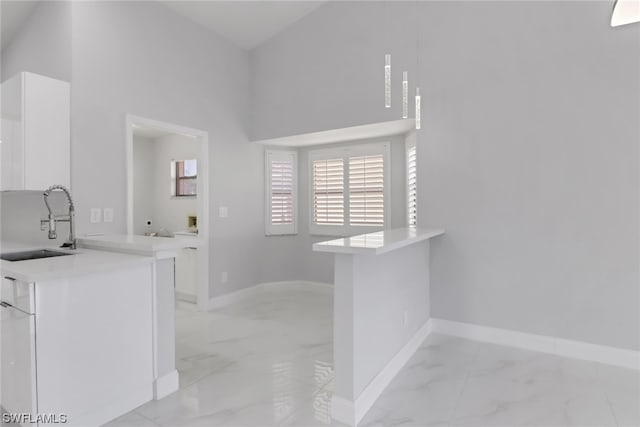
(108, 214)
(96, 215)
(223, 211)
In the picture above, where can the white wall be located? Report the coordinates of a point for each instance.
(143, 183)
(152, 158)
(331, 74)
(44, 43)
(21, 213)
(170, 212)
(42, 46)
(528, 155)
(140, 58)
(162, 66)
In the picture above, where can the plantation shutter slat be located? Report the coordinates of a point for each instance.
(328, 192)
(366, 190)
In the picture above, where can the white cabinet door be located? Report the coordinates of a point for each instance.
(36, 135)
(47, 139)
(17, 343)
(12, 146)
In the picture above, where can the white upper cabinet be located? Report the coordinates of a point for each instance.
(36, 140)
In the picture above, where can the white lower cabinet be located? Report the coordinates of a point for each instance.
(88, 338)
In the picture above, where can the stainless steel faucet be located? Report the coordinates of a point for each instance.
(52, 219)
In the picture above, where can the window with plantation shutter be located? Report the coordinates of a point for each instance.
(328, 192)
(349, 189)
(281, 192)
(366, 190)
(412, 185)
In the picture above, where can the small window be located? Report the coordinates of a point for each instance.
(349, 189)
(281, 192)
(412, 184)
(185, 174)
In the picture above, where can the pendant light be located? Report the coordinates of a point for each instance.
(625, 12)
(405, 94)
(387, 80)
(418, 110)
(418, 114)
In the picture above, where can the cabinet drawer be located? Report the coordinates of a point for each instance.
(18, 294)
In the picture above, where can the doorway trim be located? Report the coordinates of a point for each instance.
(131, 121)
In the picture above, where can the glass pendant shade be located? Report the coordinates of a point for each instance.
(387, 80)
(405, 95)
(418, 112)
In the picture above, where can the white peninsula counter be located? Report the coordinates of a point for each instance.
(76, 335)
(381, 312)
(96, 323)
(163, 250)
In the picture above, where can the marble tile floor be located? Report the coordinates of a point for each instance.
(267, 361)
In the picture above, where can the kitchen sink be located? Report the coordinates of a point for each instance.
(35, 254)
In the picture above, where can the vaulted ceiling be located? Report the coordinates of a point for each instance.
(246, 24)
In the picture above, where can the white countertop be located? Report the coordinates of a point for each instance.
(81, 262)
(139, 244)
(379, 242)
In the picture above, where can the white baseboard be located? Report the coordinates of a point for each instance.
(557, 346)
(184, 297)
(343, 410)
(165, 385)
(233, 297)
(351, 413)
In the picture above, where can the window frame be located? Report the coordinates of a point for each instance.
(345, 153)
(176, 178)
(271, 229)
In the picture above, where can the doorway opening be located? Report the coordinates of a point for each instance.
(168, 196)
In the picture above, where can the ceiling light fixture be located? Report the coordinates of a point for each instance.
(625, 12)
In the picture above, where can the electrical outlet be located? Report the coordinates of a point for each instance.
(96, 215)
(108, 214)
(224, 277)
(223, 211)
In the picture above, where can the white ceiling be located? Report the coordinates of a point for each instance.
(245, 23)
(14, 13)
